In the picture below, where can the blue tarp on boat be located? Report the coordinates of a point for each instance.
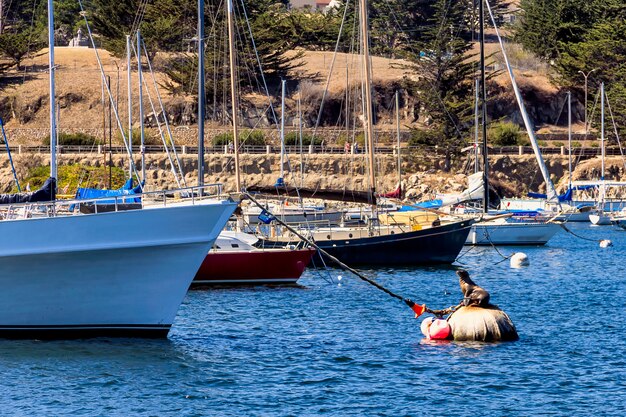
(432, 204)
(567, 196)
(126, 190)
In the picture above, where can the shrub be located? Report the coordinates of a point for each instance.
(222, 139)
(149, 139)
(293, 138)
(542, 143)
(248, 137)
(76, 139)
(342, 139)
(423, 137)
(558, 144)
(252, 138)
(576, 145)
(595, 145)
(504, 134)
(360, 139)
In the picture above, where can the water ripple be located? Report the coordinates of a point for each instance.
(324, 349)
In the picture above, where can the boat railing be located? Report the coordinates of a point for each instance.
(187, 195)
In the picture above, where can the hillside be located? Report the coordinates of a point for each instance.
(24, 94)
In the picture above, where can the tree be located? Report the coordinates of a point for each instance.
(275, 37)
(546, 27)
(19, 41)
(445, 74)
(580, 36)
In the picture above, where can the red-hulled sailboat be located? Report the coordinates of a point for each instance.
(234, 260)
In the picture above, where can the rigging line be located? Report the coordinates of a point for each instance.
(156, 117)
(247, 40)
(258, 59)
(30, 34)
(110, 95)
(556, 120)
(139, 15)
(194, 66)
(330, 71)
(412, 50)
(616, 132)
(167, 124)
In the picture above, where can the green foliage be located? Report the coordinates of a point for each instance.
(276, 31)
(576, 145)
(421, 137)
(70, 177)
(440, 58)
(148, 137)
(581, 36)
(293, 138)
(248, 137)
(558, 144)
(542, 143)
(18, 42)
(222, 139)
(252, 138)
(504, 134)
(76, 139)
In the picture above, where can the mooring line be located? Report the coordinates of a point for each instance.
(579, 236)
(417, 309)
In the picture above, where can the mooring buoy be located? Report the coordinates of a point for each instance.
(519, 260)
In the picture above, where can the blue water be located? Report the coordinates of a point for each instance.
(329, 349)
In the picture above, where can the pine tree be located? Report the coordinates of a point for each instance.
(445, 75)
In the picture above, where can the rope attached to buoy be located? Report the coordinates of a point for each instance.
(418, 309)
(579, 236)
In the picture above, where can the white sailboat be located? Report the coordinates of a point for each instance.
(568, 210)
(508, 230)
(121, 273)
(600, 218)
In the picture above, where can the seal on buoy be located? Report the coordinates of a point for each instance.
(473, 295)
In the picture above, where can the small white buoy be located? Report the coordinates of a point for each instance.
(519, 259)
(339, 277)
(605, 243)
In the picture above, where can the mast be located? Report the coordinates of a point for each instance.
(602, 127)
(282, 133)
(51, 68)
(130, 110)
(476, 125)
(569, 136)
(300, 134)
(481, 17)
(201, 94)
(369, 130)
(550, 190)
(143, 139)
(233, 90)
(398, 140)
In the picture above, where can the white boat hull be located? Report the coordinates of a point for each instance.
(511, 233)
(600, 219)
(114, 274)
(579, 217)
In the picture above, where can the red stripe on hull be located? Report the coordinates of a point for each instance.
(258, 266)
